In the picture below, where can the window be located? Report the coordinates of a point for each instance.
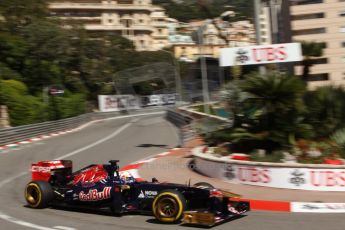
(305, 2)
(342, 29)
(342, 13)
(343, 59)
(307, 16)
(309, 31)
(318, 77)
(343, 44)
(320, 61)
(124, 1)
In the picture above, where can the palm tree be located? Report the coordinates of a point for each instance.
(279, 97)
(326, 109)
(276, 93)
(310, 50)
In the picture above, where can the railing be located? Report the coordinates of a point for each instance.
(183, 123)
(177, 118)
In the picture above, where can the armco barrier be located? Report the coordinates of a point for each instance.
(26, 132)
(178, 118)
(183, 123)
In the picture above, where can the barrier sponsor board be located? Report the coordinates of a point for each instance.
(278, 177)
(263, 54)
(318, 207)
(158, 99)
(111, 103)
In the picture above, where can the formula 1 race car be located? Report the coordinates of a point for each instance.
(104, 186)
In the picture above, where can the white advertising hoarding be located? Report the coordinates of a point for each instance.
(263, 54)
(277, 177)
(112, 103)
(318, 207)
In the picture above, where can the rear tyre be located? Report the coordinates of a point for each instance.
(38, 194)
(203, 185)
(168, 206)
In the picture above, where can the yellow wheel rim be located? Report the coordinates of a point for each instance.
(33, 195)
(163, 207)
(167, 207)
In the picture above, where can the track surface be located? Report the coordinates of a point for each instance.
(127, 139)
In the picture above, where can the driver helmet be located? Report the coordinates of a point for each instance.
(126, 177)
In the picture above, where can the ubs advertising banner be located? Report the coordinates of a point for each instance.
(278, 177)
(263, 54)
(111, 103)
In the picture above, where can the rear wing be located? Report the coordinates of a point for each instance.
(43, 170)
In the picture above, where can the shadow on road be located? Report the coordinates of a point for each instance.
(151, 146)
(155, 221)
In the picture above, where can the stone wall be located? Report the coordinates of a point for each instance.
(4, 119)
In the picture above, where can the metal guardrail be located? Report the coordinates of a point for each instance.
(23, 133)
(192, 123)
(183, 122)
(177, 118)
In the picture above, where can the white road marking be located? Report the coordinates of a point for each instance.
(39, 227)
(8, 180)
(64, 228)
(22, 223)
(118, 131)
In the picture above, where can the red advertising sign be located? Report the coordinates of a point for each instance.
(263, 54)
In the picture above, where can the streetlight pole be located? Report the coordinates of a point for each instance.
(178, 81)
(203, 68)
(257, 7)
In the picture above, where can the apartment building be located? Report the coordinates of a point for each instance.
(137, 20)
(321, 21)
(265, 25)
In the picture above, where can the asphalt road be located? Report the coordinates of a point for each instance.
(127, 139)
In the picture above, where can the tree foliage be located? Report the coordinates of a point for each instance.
(188, 10)
(326, 110)
(37, 51)
(268, 111)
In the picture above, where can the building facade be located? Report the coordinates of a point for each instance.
(136, 20)
(321, 21)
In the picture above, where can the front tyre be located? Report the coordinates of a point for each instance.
(168, 206)
(38, 194)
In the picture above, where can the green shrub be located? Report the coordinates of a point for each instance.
(339, 138)
(26, 109)
(275, 156)
(23, 108)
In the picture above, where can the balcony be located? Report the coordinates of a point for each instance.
(161, 36)
(95, 19)
(118, 27)
(98, 6)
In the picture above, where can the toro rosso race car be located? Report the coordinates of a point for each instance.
(103, 186)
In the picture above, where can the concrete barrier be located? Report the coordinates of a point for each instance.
(317, 177)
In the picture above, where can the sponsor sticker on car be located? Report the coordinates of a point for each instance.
(147, 194)
(94, 195)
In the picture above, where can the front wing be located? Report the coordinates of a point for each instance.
(207, 218)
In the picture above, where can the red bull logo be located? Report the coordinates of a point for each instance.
(94, 195)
